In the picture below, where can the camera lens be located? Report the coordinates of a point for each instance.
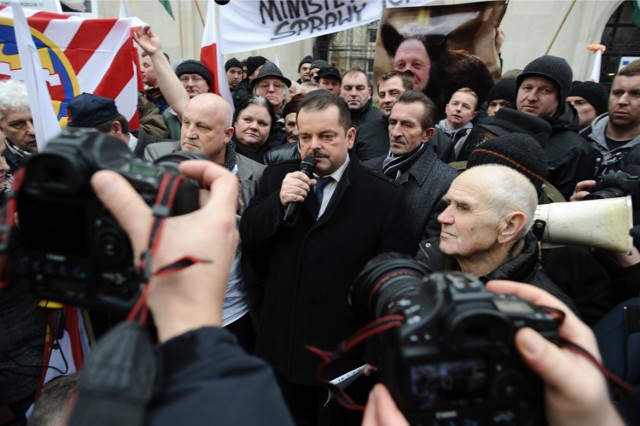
(610, 192)
(383, 278)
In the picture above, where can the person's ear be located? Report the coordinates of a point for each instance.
(116, 128)
(228, 134)
(428, 134)
(511, 227)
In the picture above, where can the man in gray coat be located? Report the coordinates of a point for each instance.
(423, 175)
(206, 127)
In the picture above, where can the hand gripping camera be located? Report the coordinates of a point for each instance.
(74, 251)
(453, 361)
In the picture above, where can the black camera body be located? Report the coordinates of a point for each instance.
(73, 250)
(453, 361)
(618, 184)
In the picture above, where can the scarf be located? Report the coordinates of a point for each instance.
(394, 167)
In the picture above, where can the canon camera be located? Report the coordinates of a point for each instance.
(453, 361)
(74, 251)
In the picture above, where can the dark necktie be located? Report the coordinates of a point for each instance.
(322, 182)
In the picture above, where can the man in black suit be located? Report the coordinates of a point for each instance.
(413, 164)
(304, 270)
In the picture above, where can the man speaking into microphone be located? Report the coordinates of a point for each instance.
(299, 272)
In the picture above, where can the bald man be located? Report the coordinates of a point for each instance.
(485, 229)
(206, 127)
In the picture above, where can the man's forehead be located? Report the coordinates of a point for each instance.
(632, 81)
(16, 113)
(202, 112)
(270, 80)
(539, 81)
(402, 109)
(355, 78)
(468, 186)
(308, 116)
(390, 83)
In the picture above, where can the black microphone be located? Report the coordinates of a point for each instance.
(307, 166)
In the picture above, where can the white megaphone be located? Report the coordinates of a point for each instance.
(601, 224)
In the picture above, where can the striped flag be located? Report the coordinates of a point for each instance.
(211, 57)
(77, 55)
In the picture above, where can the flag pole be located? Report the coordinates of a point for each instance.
(598, 50)
(199, 12)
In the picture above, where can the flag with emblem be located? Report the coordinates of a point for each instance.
(77, 55)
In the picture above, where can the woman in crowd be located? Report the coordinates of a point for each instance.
(253, 123)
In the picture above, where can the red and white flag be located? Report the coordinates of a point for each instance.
(210, 54)
(77, 55)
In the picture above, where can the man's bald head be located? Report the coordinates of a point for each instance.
(206, 126)
(503, 188)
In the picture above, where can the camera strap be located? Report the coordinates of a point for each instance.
(381, 324)
(122, 373)
(161, 210)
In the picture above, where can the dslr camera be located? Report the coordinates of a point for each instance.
(453, 361)
(73, 250)
(618, 184)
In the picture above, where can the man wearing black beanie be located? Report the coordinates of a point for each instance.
(194, 76)
(617, 133)
(303, 69)
(589, 100)
(233, 69)
(502, 94)
(542, 90)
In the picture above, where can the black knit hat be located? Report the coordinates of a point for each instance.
(319, 63)
(504, 89)
(517, 151)
(270, 70)
(306, 60)
(552, 68)
(232, 63)
(508, 120)
(594, 93)
(191, 66)
(253, 62)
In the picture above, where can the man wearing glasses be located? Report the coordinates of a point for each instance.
(194, 76)
(271, 84)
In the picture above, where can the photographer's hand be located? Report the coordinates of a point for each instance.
(382, 410)
(190, 298)
(581, 190)
(575, 391)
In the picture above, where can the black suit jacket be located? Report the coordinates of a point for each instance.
(306, 270)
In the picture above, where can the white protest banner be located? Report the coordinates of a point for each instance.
(257, 24)
(388, 4)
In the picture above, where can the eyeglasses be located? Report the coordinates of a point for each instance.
(276, 85)
(196, 79)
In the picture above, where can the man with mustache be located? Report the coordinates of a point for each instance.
(614, 134)
(16, 123)
(302, 270)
